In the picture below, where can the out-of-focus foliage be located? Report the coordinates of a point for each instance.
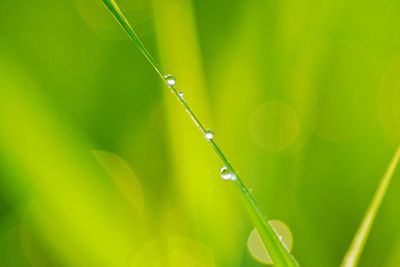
(303, 96)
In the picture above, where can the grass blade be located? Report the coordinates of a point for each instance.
(354, 252)
(114, 9)
(279, 253)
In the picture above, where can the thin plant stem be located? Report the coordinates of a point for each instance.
(354, 252)
(277, 249)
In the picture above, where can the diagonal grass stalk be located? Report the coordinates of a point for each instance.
(278, 251)
(354, 252)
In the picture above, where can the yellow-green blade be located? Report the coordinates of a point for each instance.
(354, 252)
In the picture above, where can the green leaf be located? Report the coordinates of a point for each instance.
(354, 252)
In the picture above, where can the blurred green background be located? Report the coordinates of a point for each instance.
(100, 166)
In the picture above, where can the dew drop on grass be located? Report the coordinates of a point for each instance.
(170, 79)
(209, 135)
(227, 174)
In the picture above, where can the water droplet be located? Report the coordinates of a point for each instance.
(209, 134)
(170, 79)
(227, 174)
(180, 94)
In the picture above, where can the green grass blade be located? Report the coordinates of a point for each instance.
(113, 7)
(354, 252)
(278, 251)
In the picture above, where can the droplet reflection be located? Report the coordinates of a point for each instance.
(227, 174)
(170, 79)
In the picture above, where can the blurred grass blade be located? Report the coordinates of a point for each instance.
(78, 215)
(278, 251)
(353, 255)
(179, 20)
